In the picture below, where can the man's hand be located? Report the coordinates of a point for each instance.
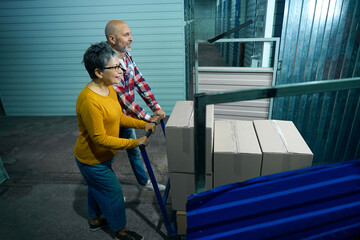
(143, 141)
(160, 113)
(150, 126)
(155, 119)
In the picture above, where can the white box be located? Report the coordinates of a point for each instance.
(180, 138)
(237, 154)
(282, 145)
(182, 186)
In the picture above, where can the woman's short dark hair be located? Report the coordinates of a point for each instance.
(97, 56)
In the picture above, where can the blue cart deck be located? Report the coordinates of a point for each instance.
(316, 202)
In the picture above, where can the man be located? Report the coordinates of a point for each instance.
(118, 35)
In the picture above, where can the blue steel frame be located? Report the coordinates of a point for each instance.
(202, 99)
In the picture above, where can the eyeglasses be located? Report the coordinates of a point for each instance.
(117, 68)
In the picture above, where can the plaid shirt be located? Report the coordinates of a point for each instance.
(130, 80)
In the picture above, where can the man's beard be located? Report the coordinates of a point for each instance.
(123, 49)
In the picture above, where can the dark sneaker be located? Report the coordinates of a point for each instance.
(129, 235)
(134, 235)
(123, 237)
(95, 227)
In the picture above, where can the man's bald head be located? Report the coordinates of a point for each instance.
(118, 36)
(112, 26)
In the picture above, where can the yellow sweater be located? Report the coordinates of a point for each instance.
(99, 120)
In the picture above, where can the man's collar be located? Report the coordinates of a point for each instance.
(122, 64)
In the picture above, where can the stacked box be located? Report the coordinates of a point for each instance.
(181, 223)
(282, 145)
(237, 154)
(180, 138)
(242, 150)
(182, 186)
(180, 151)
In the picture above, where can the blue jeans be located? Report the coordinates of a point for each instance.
(134, 156)
(105, 194)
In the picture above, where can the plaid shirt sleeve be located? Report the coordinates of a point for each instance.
(126, 95)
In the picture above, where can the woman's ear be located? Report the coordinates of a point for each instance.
(98, 73)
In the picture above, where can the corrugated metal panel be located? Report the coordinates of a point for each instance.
(321, 40)
(3, 173)
(237, 21)
(189, 46)
(231, 11)
(231, 15)
(225, 81)
(278, 19)
(231, 53)
(223, 24)
(250, 31)
(42, 43)
(260, 18)
(240, 17)
(228, 53)
(218, 18)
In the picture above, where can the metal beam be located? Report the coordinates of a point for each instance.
(237, 28)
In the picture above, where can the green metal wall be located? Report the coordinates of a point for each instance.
(204, 19)
(320, 40)
(189, 46)
(42, 43)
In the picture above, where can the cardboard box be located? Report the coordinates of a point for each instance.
(181, 224)
(180, 138)
(237, 154)
(282, 145)
(182, 186)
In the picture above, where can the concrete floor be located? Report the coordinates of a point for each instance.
(210, 56)
(45, 197)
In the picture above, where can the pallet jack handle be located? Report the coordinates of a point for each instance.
(162, 202)
(148, 133)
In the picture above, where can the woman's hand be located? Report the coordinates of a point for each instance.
(143, 141)
(150, 126)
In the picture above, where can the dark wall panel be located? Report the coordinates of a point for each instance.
(320, 41)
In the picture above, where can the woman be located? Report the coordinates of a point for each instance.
(99, 118)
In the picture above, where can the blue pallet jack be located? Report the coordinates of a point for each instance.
(318, 202)
(170, 227)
